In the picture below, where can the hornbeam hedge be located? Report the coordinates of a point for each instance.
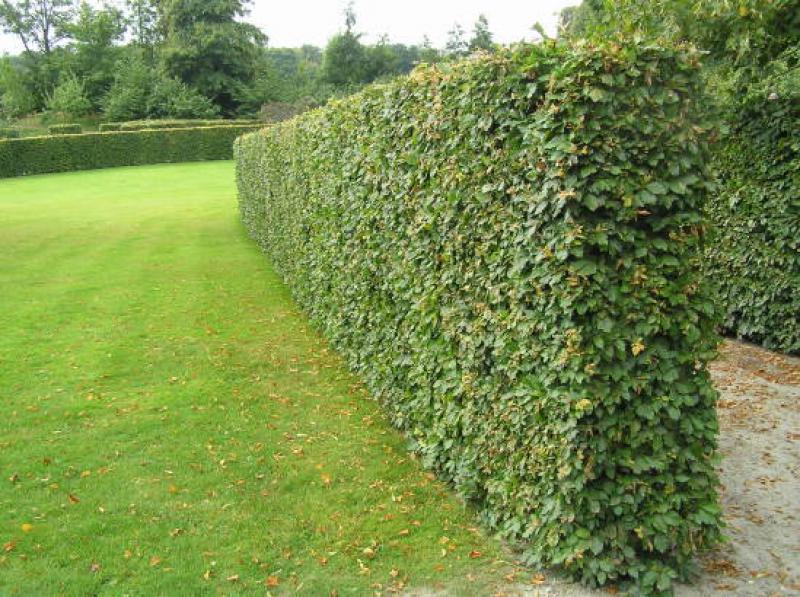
(507, 251)
(754, 258)
(63, 153)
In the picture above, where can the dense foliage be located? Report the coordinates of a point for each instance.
(752, 87)
(40, 155)
(755, 256)
(507, 250)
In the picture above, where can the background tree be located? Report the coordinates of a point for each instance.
(93, 50)
(38, 24)
(345, 61)
(207, 48)
(16, 98)
(69, 99)
(457, 44)
(143, 19)
(481, 36)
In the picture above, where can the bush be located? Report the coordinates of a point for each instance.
(508, 252)
(9, 133)
(69, 98)
(65, 129)
(107, 127)
(754, 257)
(39, 155)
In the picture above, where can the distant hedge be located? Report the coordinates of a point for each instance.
(508, 250)
(9, 133)
(65, 129)
(755, 255)
(39, 155)
(142, 125)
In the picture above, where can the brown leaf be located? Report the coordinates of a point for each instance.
(233, 578)
(73, 499)
(475, 554)
(155, 561)
(10, 546)
(272, 581)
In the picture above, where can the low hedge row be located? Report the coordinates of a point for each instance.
(40, 155)
(141, 125)
(508, 250)
(9, 133)
(755, 255)
(65, 129)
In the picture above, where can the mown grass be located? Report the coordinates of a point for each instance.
(172, 425)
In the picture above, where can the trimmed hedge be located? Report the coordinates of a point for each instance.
(9, 133)
(142, 125)
(507, 250)
(65, 129)
(108, 127)
(40, 155)
(755, 255)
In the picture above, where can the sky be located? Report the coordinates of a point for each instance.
(291, 23)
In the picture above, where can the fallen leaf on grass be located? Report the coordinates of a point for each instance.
(155, 561)
(233, 578)
(538, 579)
(272, 581)
(10, 546)
(326, 479)
(475, 554)
(27, 528)
(94, 568)
(73, 499)
(404, 532)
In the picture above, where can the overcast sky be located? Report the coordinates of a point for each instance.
(291, 23)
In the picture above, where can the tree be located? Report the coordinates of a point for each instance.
(139, 91)
(481, 36)
(345, 61)
(94, 34)
(143, 19)
(206, 47)
(38, 24)
(456, 45)
(69, 98)
(16, 98)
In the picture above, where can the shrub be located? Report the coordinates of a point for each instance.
(754, 257)
(107, 127)
(507, 251)
(9, 133)
(65, 129)
(39, 155)
(69, 98)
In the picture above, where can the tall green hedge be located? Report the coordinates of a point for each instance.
(507, 251)
(40, 155)
(755, 254)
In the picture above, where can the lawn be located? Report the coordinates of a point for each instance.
(171, 423)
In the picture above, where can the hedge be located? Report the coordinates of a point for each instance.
(507, 250)
(65, 129)
(141, 125)
(9, 133)
(39, 155)
(755, 255)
